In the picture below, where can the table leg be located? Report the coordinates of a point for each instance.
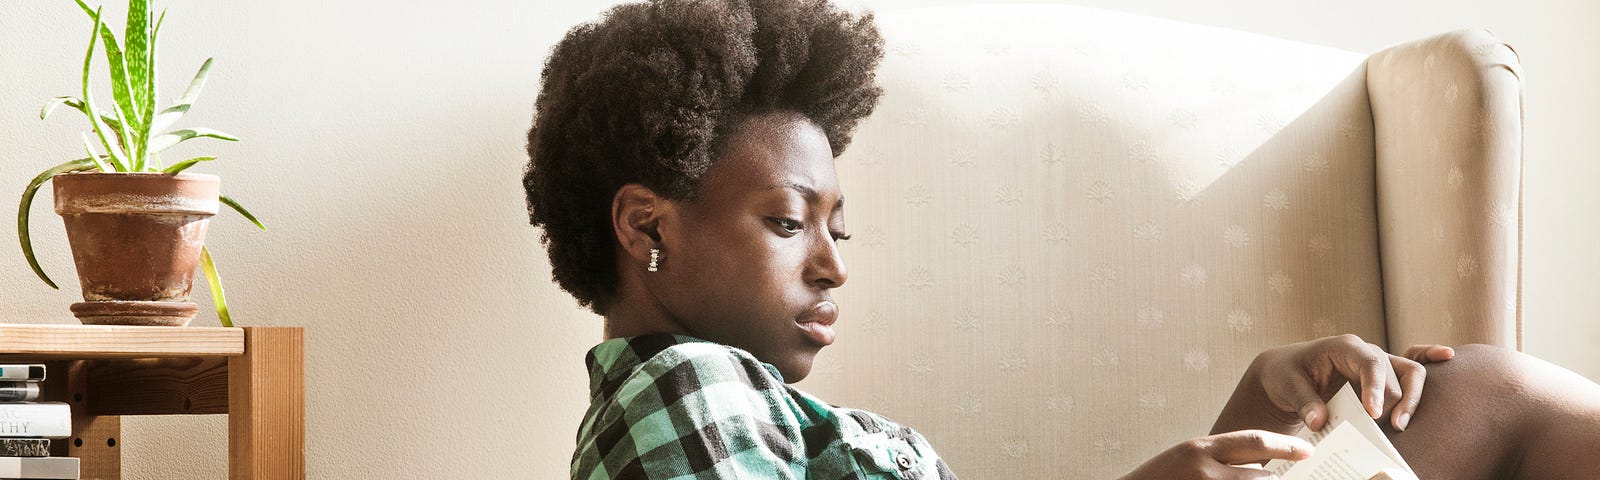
(96, 439)
(266, 406)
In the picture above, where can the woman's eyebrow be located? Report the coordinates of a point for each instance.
(810, 194)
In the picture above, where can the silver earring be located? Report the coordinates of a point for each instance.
(655, 259)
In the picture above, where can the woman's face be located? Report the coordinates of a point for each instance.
(755, 256)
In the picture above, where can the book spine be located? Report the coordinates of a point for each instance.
(24, 447)
(52, 468)
(19, 391)
(35, 420)
(33, 373)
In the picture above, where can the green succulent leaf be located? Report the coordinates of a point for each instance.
(57, 102)
(121, 89)
(149, 108)
(88, 147)
(76, 104)
(171, 115)
(240, 208)
(217, 297)
(117, 157)
(137, 34)
(27, 204)
(167, 140)
(192, 92)
(153, 34)
(184, 165)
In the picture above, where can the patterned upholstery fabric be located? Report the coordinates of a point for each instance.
(1075, 228)
(1449, 116)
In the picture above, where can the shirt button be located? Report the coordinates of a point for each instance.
(902, 460)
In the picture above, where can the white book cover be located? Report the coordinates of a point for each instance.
(40, 468)
(36, 420)
(22, 372)
(1350, 446)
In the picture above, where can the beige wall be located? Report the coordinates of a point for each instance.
(383, 146)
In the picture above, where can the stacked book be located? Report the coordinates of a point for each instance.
(27, 425)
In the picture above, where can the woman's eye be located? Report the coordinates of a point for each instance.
(790, 226)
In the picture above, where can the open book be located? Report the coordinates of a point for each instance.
(1350, 446)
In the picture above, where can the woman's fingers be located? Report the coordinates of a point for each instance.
(1296, 394)
(1217, 457)
(1389, 383)
(1412, 377)
(1391, 388)
(1426, 354)
(1246, 473)
(1358, 359)
(1249, 446)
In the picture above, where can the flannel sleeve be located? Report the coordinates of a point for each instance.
(700, 411)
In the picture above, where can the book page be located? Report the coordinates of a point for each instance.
(1345, 408)
(1345, 454)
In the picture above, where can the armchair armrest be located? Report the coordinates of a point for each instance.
(1447, 115)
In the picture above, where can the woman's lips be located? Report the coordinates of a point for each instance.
(817, 323)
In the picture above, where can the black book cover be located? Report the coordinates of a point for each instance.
(24, 447)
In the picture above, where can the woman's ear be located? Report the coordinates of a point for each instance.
(636, 213)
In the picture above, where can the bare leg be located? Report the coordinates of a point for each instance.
(1494, 413)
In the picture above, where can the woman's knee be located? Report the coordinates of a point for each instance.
(1512, 376)
(1481, 378)
(1471, 416)
(1557, 412)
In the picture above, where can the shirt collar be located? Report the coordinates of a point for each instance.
(613, 360)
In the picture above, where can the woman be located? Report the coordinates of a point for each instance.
(682, 170)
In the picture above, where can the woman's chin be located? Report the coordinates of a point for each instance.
(797, 366)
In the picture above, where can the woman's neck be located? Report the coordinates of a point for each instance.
(630, 319)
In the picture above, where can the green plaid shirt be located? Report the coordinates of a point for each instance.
(675, 407)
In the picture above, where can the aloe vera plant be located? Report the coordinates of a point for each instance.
(131, 135)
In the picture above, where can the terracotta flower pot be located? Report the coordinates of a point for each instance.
(136, 240)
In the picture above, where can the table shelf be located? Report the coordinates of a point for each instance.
(255, 375)
(90, 341)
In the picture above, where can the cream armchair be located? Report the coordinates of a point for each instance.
(1075, 228)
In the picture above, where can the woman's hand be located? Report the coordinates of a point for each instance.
(1215, 457)
(1294, 379)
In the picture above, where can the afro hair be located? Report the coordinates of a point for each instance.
(644, 94)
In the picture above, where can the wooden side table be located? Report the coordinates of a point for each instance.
(255, 375)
